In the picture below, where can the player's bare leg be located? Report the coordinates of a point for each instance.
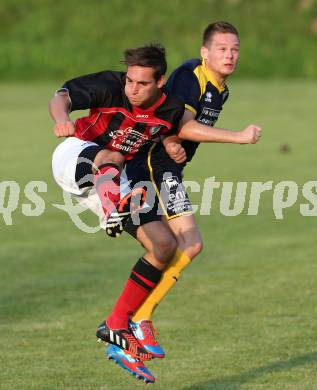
(160, 246)
(106, 169)
(189, 246)
(159, 242)
(187, 234)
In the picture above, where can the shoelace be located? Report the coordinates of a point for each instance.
(134, 346)
(150, 330)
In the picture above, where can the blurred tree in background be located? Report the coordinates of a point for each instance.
(54, 39)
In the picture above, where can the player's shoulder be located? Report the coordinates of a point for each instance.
(184, 77)
(112, 75)
(186, 69)
(189, 65)
(173, 102)
(99, 79)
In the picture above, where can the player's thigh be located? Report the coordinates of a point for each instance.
(166, 177)
(72, 163)
(187, 234)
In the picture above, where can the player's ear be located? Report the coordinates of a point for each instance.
(204, 52)
(160, 82)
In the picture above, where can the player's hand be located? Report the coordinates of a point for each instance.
(176, 152)
(64, 129)
(250, 135)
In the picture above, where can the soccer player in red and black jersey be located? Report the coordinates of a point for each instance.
(127, 112)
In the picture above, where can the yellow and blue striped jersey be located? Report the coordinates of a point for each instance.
(196, 87)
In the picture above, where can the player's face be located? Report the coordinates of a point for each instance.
(221, 54)
(141, 87)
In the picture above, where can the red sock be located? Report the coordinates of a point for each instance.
(107, 184)
(143, 279)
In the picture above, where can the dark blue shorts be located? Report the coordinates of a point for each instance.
(162, 177)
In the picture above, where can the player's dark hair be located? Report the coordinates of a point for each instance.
(221, 27)
(152, 56)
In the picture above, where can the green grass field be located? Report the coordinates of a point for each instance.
(243, 316)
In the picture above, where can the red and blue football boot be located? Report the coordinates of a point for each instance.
(144, 332)
(122, 338)
(133, 365)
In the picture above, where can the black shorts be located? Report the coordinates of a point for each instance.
(166, 194)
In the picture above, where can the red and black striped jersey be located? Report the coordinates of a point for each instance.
(112, 121)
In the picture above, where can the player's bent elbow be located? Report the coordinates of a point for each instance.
(184, 135)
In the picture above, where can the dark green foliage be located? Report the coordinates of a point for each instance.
(57, 39)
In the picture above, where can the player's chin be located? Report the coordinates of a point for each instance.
(136, 102)
(228, 70)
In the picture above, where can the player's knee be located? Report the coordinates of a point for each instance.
(106, 156)
(165, 247)
(194, 248)
(117, 158)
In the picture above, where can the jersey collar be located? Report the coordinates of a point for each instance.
(211, 78)
(152, 108)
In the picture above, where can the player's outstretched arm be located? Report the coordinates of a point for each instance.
(59, 110)
(192, 130)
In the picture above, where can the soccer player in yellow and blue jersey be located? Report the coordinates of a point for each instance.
(200, 84)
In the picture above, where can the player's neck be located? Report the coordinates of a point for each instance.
(151, 102)
(216, 77)
(220, 80)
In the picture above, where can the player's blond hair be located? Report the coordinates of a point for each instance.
(221, 27)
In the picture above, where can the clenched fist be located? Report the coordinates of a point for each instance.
(250, 135)
(176, 152)
(65, 129)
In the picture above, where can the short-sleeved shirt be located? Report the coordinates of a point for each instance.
(197, 88)
(113, 122)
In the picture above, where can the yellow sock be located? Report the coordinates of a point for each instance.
(169, 278)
